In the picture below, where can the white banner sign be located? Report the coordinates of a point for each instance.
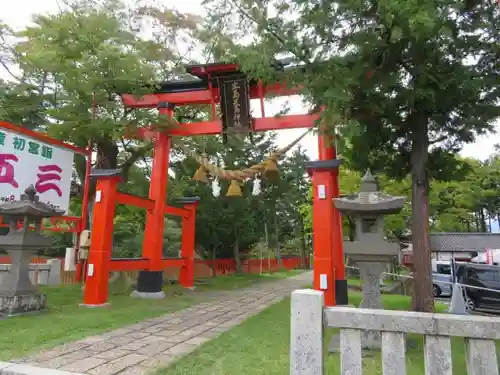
(26, 161)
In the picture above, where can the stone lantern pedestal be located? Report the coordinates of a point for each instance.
(17, 294)
(369, 250)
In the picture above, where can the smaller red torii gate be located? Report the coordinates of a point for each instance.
(100, 263)
(329, 270)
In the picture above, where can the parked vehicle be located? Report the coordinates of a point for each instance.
(441, 279)
(480, 276)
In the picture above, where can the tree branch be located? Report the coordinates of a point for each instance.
(446, 136)
(273, 33)
(7, 69)
(135, 154)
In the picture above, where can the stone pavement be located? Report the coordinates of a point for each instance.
(142, 347)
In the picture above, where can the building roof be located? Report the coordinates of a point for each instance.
(466, 242)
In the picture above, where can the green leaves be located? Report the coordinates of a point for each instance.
(396, 34)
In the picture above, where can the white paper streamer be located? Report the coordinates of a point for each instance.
(215, 187)
(256, 187)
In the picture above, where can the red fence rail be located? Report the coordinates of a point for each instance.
(69, 224)
(202, 268)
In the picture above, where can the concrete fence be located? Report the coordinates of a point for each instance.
(48, 273)
(308, 317)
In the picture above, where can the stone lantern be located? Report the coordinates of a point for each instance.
(369, 250)
(17, 294)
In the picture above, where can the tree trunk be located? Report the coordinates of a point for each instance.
(236, 254)
(352, 229)
(106, 158)
(236, 248)
(213, 257)
(266, 234)
(422, 289)
(277, 239)
(482, 220)
(303, 249)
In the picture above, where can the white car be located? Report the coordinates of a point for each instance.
(441, 278)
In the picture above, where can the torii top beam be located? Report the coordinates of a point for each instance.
(204, 89)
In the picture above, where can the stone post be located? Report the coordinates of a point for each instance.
(306, 336)
(54, 272)
(370, 275)
(43, 272)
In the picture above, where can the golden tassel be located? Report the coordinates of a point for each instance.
(234, 189)
(201, 175)
(271, 172)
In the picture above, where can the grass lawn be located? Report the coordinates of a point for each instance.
(260, 346)
(66, 321)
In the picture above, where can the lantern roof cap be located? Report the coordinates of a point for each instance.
(29, 205)
(369, 200)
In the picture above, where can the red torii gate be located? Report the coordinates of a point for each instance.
(100, 263)
(329, 270)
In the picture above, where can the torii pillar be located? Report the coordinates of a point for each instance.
(150, 282)
(186, 276)
(329, 267)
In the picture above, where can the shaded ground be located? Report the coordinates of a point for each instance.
(66, 322)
